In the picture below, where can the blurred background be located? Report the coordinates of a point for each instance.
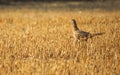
(36, 37)
(64, 5)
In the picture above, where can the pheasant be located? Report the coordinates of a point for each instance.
(79, 34)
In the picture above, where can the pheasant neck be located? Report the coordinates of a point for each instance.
(75, 26)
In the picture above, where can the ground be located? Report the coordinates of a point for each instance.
(37, 38)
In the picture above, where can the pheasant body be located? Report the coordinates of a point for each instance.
(79, 34)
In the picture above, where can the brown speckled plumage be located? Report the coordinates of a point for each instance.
(79, 34)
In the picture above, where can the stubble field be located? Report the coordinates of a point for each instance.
(39, 41)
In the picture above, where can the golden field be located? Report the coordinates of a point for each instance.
(37, 39)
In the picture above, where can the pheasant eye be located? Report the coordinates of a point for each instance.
(73, 19)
